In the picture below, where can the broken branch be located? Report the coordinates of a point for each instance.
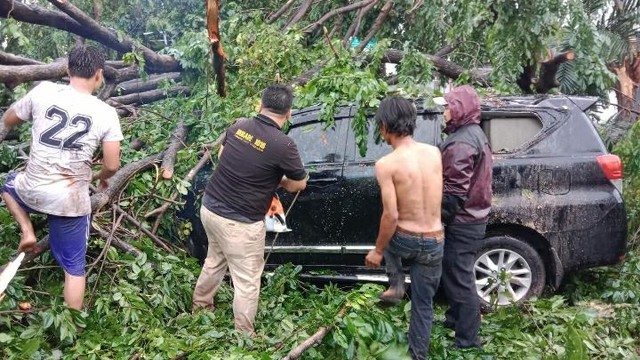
(176, 144)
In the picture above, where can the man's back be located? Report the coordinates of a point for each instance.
(417, 177)
(68, 126)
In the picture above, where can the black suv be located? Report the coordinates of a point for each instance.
(557, 203)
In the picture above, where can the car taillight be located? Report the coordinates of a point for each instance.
(611, 166)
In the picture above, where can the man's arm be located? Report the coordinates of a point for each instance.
(10, 119)
(293, 185)
(389, 219)
(110, 161)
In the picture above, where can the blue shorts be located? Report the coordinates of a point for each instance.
(68, 236)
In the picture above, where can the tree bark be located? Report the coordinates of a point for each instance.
(140, 85)
(176, 144)
(147, 97)
(121, 179)
(13, 76)
(11, 59)
(445, 67)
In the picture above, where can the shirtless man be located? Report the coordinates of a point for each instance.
(410, 180)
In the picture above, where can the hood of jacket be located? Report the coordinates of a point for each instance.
(464, 107)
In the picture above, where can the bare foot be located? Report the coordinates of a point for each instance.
(27, 242)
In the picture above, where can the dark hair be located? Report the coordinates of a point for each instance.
(277, 98)
(397, 115)
(84, 61)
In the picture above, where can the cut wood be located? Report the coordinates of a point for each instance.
(206, 156)
(176, 143)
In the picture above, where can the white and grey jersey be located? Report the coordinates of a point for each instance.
(68, 126)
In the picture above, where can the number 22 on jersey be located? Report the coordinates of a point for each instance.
(81, 125)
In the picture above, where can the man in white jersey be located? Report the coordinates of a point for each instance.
(69, 124)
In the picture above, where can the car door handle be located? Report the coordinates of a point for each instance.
(322, 180)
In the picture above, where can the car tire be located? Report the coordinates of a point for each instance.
(507, 271)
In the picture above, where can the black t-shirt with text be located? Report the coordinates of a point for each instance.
(255, 157)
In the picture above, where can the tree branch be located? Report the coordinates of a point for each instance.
(11, 59)
(147, 97)
(377, 24)
(313, 27)
(275, 16)
(354, 28)
(299, 14)
(140, 85)
(548, 70)
(176, 144)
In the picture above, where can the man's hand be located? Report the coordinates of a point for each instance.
(373, 259)
(103, 185)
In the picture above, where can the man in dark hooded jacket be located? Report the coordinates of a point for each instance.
(467, 170)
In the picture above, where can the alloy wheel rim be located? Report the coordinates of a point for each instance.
(502, 276)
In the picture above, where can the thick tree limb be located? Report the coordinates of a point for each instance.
(147, 97)
(377, 25)
(140, 85)
(97, 32)
(176, 144)
(302, 11)
(275, 16)
(445, 67)
(313, 27)
(11, 59)
(13, 76)
(118, 181)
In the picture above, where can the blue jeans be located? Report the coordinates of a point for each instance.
(424, 258)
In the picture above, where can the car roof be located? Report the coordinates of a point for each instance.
(488, 103)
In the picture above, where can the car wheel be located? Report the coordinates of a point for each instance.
(507, 271)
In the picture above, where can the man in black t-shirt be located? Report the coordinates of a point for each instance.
(255, 159)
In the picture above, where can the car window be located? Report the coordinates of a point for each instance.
(427, 131)
(318, 145)
(508, 134)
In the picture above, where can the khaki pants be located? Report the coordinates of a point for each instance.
(240, 247)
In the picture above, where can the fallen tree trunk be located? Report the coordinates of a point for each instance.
(176, 144)
(147, 96)
(140, 85)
